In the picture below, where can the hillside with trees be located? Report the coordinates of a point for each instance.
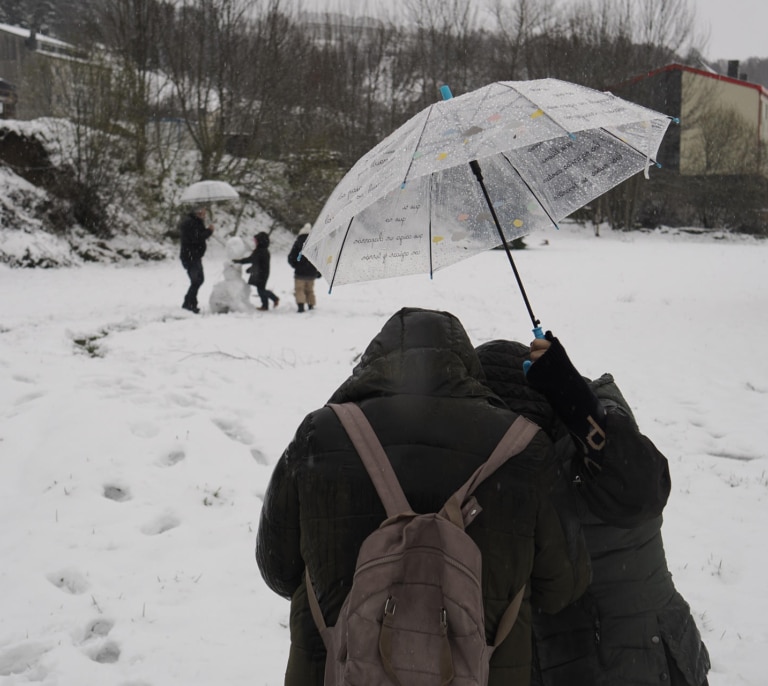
(281, 103)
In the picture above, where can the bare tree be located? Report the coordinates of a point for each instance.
(131, 29)
(726, 144)
(517, 23)
(206, 51)
(445, 44)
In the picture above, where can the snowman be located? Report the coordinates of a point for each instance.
(233, 293)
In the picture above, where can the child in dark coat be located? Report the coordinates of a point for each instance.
(259, 270)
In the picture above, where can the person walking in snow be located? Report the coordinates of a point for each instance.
(631, 627)
(304, 272)
(194, 235)
(419, 383)
(259, 270)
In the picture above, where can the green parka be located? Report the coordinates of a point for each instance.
(419, 384)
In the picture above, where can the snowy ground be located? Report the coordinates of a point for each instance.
(136, 440)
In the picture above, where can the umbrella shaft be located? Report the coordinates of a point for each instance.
(479, 175)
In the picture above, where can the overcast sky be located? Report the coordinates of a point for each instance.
(737, 29)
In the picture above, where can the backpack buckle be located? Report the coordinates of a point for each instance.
(390, 606)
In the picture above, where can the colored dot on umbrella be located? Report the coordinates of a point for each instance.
(518, 223)
(463, 217)
(537, 113)
(494, 117)
(442, 156)
(437, 239)
(329, 260)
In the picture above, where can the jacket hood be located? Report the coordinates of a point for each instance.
(502, 363)
(263, 238)
(417, 352)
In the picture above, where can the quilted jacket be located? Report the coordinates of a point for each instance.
(419, 384)
(631, 627)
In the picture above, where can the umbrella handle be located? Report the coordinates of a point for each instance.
(538, 333)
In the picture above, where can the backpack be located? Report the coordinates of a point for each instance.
(414, 614)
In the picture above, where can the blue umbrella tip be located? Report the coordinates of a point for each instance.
(445, 91)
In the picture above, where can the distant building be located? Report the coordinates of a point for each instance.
(330, 26)
(7, 100)
(723, 127)
(38, 67)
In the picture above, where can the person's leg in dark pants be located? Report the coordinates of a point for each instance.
(262, 291)
(266, 296)
(196, 278)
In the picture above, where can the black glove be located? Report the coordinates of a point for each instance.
(554, 376)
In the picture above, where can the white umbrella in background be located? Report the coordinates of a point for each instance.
(207, 192)
(204, 192)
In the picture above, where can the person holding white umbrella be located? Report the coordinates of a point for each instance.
(194, 234)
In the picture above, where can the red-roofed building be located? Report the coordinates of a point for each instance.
(723, 125)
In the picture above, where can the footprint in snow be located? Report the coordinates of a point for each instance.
(172, 458)
(234, 430)
(107, 653)
(98, 628)
(69, 581)
(259, 456)
(161, 524)
(23, 659)
(117, 493)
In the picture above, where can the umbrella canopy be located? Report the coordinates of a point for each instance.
(469, 173)
(208, 191)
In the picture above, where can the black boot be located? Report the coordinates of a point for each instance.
(301, 307)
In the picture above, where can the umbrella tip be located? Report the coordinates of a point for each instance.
(445, 91)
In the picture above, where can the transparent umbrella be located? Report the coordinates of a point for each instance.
(476, 171)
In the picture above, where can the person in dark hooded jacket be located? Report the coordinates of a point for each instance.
(259, 270)
(194, 234)
(631, 627)
(419, 383)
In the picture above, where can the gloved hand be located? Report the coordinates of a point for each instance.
(554, 376)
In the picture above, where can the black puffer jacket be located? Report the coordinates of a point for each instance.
(418, 384)
(631, 621)
(194, 235)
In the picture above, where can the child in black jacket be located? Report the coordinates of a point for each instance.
(259, 270)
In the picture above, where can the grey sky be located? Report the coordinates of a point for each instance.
(736, 29)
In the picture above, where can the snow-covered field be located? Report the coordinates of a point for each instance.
(136, 440)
